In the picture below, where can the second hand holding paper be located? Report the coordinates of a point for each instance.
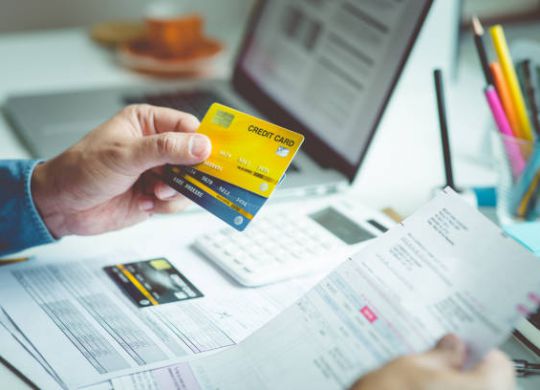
(249, 159)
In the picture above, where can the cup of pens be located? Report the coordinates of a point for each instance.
(518, 191)
(511, 96)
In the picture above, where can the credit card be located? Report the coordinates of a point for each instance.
(152, 282)
(247, 152)
(230, 211)
(246, 200)
(249, 159)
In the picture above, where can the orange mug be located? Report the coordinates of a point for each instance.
(175, 37)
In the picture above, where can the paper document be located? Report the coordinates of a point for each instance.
(82, 325)
(23, 361)
(82, 329)
(445, 269)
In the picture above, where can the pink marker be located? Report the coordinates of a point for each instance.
(534, 298)
(523, 310)
(517, 161)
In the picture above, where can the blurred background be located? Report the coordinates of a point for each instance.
(57, 33)
(502, 9)
(22, 15)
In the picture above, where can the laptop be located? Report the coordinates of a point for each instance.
(324, 68)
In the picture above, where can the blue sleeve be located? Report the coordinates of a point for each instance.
(21, 226)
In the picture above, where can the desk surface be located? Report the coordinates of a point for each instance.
(67, 59)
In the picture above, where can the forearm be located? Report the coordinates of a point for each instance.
(21, 225)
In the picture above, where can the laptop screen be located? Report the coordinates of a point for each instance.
(328, 67)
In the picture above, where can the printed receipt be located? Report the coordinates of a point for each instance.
(445, 269)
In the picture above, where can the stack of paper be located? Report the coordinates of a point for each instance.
(80, 328)
(445, 269)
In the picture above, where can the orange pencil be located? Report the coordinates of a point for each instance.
(506, 98)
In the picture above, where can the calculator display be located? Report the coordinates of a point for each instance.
(340, 226)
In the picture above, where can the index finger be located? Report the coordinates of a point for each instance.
(154, 120)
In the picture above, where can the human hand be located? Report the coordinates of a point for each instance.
(104, 182)
(441, 368)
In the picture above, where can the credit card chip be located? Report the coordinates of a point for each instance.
(223, 119)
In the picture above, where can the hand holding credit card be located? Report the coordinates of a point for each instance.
(248, 160)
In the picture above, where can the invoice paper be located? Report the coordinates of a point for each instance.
(63, 309)
(82, 329)
(445, 269)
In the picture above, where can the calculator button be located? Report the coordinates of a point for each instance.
(272, 248)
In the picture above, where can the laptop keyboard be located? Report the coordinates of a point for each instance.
(194, 102)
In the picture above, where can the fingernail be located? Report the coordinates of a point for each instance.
(146, 205)
(167, 192)
(199, 145)
(449, 342)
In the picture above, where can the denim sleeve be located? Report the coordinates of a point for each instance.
(21, 226)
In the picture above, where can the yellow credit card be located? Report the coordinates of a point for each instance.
(246, 151)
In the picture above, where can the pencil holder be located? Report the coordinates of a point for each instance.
(518, 165)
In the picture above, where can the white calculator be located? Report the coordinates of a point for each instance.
(286, 244)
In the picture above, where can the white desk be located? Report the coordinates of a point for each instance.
(404, 159)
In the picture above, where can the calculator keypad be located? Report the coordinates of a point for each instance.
(272, 248)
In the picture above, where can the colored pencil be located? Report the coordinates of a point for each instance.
(530, 211)
(11, 260)
(504, 95)
(528, 196)
(511, 144)
(503, 53)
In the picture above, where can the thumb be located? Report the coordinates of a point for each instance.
(450, 352)
(495, 371)
(170, 148)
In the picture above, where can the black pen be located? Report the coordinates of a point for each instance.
(19, 374)
(481, 49)
(443, 124)
(531, 94)
(524, 368)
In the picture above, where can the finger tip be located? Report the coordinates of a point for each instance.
(191, 123)
(163, 192)
(500, 358)
(146, 205)
(452, 342)
(172, 206)
(449, 340)
(200, 146)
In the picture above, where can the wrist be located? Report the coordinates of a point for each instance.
(46, 199)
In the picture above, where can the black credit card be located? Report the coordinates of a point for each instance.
(152, 282)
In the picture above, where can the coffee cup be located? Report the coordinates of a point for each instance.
(175, 36)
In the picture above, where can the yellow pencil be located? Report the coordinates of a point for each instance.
(501, 47)
(6, 261)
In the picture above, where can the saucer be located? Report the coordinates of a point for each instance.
(142, 56)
